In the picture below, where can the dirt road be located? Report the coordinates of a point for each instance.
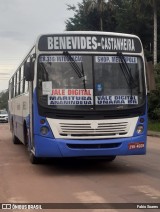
(133, 179)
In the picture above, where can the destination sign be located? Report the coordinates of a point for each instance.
(71, 97)
(94, 43)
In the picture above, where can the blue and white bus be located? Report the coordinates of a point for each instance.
(80, 94)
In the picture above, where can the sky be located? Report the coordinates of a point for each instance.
(21, 21)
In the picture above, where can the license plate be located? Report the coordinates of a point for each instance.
(137, 145)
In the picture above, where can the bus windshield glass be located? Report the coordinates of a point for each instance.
(101, 82)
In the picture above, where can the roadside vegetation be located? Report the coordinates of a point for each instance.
(154, 125)
(4, 100)
(154, 103)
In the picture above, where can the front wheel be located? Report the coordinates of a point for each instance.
(33, 158)
(108, 158)
(111, 158)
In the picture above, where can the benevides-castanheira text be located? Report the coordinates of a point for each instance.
(90, 43)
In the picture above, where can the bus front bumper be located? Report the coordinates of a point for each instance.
(48, 147)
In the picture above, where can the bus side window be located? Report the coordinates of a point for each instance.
(12, 87)
(17, 84)
(15, 87)
(25, 83)
(21, 80)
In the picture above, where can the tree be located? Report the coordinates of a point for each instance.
(87, 13)
(126, 16)
(134, 17)
(4, 100)
(155, 30)
(154, 4)
(154, 100)
(98, 5)
(82, 20)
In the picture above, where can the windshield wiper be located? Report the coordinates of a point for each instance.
(83, 76)
(79, 72)
(45, 73)
(126, 71)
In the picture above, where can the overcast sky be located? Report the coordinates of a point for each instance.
(21, 21)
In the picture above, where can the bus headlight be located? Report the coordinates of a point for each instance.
(140, 129)
(44, 130)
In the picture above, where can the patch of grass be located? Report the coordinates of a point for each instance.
(154, 125)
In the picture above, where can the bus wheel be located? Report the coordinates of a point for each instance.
(15, 140)
(110, 158)
(33, 158)
(26, 136)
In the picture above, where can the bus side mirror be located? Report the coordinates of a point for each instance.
(29, 71)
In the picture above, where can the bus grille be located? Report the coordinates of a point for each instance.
(86, 130)
(93, 129)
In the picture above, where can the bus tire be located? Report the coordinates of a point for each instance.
(15, 140)
(33, 158)
(110, 158)
(26, 136)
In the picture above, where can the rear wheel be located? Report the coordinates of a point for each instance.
(15, 140)
(26, 136)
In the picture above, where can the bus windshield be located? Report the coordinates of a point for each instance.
(100, 84)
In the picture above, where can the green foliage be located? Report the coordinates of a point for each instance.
(127, 16)
(4, 100)
(154, 126)
(88, 18)
(135, 17)
(154, 97)
(82, 20)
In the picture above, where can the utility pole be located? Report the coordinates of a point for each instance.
(155, 31)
